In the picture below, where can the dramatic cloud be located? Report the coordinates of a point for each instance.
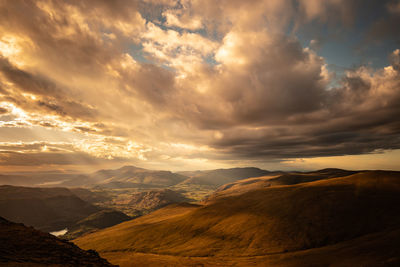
(194, 84)
(387, 27)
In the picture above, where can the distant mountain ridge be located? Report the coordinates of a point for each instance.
(219, 177)
(131, 176)
(140, 178)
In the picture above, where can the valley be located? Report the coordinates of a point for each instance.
(285, 224)
(272, 218)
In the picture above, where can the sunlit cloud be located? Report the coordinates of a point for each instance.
(195, 84)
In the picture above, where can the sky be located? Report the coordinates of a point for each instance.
(199, 84)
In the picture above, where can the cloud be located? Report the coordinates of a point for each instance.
(395, 59)
(3, 111)
(189, 81)
(328, 10)
(267, 83)
(386, 27)
(43, 93)
(177, 50)
(182, 19)
(10, 158)
(357, 117)
(47, 153)
(394, 7)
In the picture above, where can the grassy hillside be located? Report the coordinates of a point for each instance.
(155, 199)
(290, 178)
(47, 209)
(99, 220)
(273, 220)
(374, 250)
(25, 246)
(93, 197)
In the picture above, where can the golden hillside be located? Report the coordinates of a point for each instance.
(278, 220)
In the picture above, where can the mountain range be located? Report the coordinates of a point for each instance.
(249, 217)
(130, 177)
(354, 216)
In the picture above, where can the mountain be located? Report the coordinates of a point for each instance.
(134, 177)
(245, 185)
(125, 177)
(355, 217)
(223, 176)
(131, 177)
(25, 246)
(99, 220)
(47, 209)
(155, 199)
(91, 196)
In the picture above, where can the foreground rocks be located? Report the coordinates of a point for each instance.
(25, 246)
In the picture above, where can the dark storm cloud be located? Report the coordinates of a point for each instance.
(359, 117)
(350, 141)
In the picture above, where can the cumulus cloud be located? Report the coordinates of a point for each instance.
(395, 59)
